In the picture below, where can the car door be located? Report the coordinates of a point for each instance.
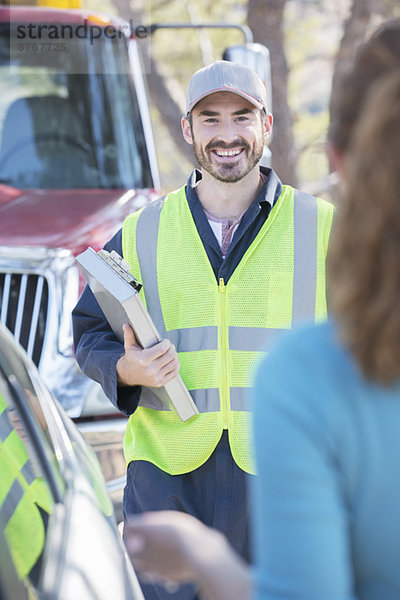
(56, 519)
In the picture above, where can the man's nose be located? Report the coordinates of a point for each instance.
(227, 132)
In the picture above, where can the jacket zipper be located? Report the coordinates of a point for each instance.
(223, 362)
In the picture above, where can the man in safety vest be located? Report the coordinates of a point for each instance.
(228, 262)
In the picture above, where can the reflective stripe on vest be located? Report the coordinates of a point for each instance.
(5, 425)
(14, 496)
(305, 256)
(146, 248)
(206, 400)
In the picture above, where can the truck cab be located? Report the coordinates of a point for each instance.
(76, 156)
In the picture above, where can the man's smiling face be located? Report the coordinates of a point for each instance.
(228, 135)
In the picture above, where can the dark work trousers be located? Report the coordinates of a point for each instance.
(215, 493)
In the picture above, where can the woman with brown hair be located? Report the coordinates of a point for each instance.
(364, 263)
(327, 399)
(326, 502)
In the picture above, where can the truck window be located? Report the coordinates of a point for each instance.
(69, 118)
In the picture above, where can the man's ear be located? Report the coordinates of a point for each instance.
(186, 130)
(268, 120)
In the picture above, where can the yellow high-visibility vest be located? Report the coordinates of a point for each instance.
(220, 331)
(21, 495)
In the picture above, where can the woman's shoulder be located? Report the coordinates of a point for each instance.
(308, 362)
(316, 342)
(313, 360)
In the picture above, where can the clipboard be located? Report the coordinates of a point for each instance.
(117, 292)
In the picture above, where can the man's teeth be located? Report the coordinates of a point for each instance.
(228, 152)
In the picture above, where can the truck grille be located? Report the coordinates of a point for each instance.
(23, 309)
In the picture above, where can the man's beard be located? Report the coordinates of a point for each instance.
(229, 172)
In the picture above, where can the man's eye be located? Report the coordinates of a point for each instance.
(210, 120)
(242, 118)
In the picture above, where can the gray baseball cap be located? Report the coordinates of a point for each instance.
(226, 76)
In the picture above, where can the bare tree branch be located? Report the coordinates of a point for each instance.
(164, 95)
(354, 33)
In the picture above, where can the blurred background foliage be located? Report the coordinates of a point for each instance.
(310, 41)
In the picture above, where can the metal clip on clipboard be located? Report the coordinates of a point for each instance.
(116, 291)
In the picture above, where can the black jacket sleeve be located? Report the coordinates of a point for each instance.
(97, 350)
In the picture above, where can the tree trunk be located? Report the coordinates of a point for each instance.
(169, 104)
(163, 96)
(265, 19)
(354, 33)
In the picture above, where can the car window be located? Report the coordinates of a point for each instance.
(73, 442)
(22, 378)
(26, 500)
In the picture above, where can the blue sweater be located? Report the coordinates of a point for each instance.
(327, 498)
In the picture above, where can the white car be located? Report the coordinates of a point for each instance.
(75, 551)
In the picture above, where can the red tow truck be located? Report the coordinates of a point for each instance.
(76, 156)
